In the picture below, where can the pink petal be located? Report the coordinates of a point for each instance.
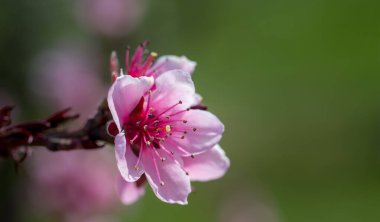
(209, 165)
(208, 132)
(126, 160)
(176, 186)
(124, 95)
(170, 62)
(198, 99)
(128, 192)
(171, 87)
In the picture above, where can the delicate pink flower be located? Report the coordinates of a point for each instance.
(138, 66)
(159, 134)
(112, 18)
(74, 184)
(67, 76)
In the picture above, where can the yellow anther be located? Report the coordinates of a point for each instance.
(168, 128)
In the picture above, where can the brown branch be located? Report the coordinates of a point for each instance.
(50, 134)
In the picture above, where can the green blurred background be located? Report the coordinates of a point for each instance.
(296, 84)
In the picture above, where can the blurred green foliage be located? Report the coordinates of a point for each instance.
(296, 84)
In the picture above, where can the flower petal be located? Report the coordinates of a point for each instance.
(203, 131)
(126, 160)
(209, 165)
(198, 99)
(171, 62)
(171, 87)
(176, 185)
(124, 95)
(128, 192)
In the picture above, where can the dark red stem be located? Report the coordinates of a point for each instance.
(51, 134)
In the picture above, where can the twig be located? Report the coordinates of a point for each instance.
(50, 134)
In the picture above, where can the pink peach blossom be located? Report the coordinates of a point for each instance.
(76, 184)
(138, 66)
(67, 76)
(159, 134)
(110, 18)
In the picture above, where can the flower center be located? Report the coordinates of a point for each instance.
(149, 129)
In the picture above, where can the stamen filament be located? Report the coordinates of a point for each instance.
(175, 145)
(179, 112)
(156, 167)
(134, 138)
(148, 62)
(140, 156)
(165, 111)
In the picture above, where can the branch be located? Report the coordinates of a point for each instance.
(49, 133)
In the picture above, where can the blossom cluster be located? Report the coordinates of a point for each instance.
(163, 134)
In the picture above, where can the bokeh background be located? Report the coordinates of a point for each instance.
(296, 84)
